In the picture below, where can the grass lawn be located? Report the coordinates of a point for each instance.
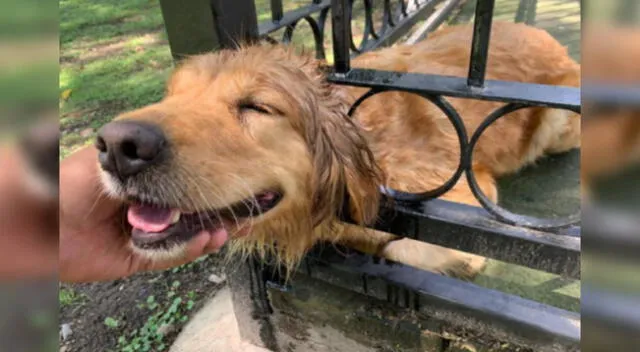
(114, 56)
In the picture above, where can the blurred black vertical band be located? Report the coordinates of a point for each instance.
(29, 97)
(611, 176)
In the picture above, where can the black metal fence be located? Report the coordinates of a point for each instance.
(551, 245)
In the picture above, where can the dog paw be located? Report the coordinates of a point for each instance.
(436, 259)
(466, 269)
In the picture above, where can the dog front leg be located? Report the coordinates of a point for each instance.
(421, 255)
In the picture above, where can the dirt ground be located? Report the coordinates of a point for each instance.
(96, 307)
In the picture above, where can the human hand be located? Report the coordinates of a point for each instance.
(94, 239)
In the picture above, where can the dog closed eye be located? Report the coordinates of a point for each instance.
(247, 106)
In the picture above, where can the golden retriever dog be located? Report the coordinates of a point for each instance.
(255, 146)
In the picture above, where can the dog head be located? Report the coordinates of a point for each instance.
(252, 142)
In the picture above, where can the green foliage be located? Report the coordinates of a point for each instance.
(171, 311)
(67, 297)
(111, 322)
(189, 265)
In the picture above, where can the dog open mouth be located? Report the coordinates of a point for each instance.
(156, 226)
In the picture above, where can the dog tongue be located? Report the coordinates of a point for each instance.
(150, 219)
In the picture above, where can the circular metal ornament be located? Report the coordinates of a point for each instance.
(499, 212)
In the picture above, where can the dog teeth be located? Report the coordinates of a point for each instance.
(176, 216)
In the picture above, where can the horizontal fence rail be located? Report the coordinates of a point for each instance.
(498, 314)
(502, 91)
(469, 229)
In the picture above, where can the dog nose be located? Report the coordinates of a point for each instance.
(129, 147)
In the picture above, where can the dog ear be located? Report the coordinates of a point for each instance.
(343, 161)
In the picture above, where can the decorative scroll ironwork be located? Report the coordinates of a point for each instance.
(290, 21)
(516, 95)
(499, 212)
(461, 131)
(563, 100)
(345, 47)
(394, 21)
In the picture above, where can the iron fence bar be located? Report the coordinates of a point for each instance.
(470, 230)
(480, 42)
(399, 29)
(388, 16)
(533, 13)
(489, 312)
(373, 32)
(526, 12)
(403, 7)
(461, 133)
(290, 17)
(368, 26)
(190, 28)
(503, 91)
(276, 10)
(236, 22)
(466, 148)
(434, 21)
(499, 212)
(523, 7)
(341, 26)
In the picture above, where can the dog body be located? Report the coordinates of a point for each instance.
(261, 127)
(410, 135)
(417, 148)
